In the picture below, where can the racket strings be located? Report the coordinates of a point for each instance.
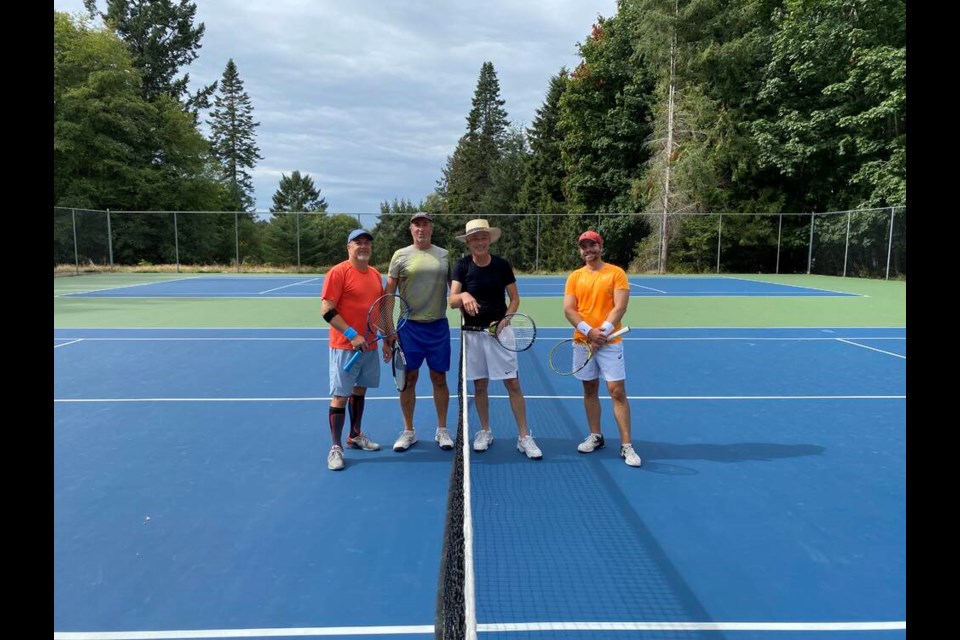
(518, 332)
(388, 316)
(569, 356)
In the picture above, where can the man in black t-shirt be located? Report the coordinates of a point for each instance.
(477, 288)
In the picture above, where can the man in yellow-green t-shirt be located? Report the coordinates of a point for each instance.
(594, 301)
(421, 273)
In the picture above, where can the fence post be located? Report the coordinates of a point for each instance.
(536, 260)
(719, 236)
(846, 247)
(76, 253)
(236, 237)
(810, 245)
(298, 241)
(661, 268)
(889, 243)
(779, 233)
(109, 238)
(176, 241)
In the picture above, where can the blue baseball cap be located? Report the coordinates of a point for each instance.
(356, 233)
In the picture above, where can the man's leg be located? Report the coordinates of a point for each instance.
(408, 398)
(481, 400)
(517, 404)
(355, 404)
(336, 416)
(591, 404)
(621, 408)
(441, 397)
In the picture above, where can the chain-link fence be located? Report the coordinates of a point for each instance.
(861, 243)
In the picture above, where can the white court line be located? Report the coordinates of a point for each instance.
(314, 632)
(863, 346)
(300, 632)
(528, 397)
(695, 626)
(294, 284)
(798, 286)
(640, 286)
(57, 346)
(124, 286)
(211, 339)
(232, 295)
(543, 338)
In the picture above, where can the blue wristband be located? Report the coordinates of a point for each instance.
(350, 333)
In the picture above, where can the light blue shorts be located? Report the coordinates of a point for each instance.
(365, 372)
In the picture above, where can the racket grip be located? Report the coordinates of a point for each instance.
(618, 332)
(352, 361)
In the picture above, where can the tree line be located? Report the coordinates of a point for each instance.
(736, 106)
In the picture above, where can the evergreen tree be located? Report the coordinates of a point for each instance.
(502, 199)
(232, 132)
(292, 235)
(468, 176)
(161, 35)
(297, 193)
(541, 196)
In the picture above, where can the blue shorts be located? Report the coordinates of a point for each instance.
(426, 340)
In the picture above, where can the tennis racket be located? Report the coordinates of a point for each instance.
(516, 332)
(387, 315)
(399, 366)
(570, 356)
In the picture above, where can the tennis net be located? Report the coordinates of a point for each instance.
(456, 616)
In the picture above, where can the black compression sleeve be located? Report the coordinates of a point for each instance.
(330, 315)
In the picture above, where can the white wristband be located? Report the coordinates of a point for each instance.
(583, 327)
(606, 328)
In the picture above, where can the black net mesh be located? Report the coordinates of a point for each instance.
(451, 603)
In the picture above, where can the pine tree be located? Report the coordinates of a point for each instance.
(162, 38)
(297, 193)
(291, 234)
(232, 135)
(541, 196)
(468, 175)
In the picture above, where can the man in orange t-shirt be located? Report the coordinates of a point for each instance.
(594, 300)
(349, 290)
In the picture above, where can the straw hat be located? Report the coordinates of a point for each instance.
(474, 226)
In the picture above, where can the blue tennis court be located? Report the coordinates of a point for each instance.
(250, 286)
(192, 499)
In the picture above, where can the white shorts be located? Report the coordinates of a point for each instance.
(487, 359)
(606, 363)
(365, 372)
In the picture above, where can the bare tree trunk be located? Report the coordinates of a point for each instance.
(662, 262)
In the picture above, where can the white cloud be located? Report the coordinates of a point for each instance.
(370, 97)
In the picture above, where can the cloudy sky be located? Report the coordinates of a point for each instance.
(370, 97)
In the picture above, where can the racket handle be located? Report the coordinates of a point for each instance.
(352, 361)
(618, 332)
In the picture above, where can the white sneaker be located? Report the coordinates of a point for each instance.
(630, 456)
(406, 440)
(443, 438)
(483, 440)
(335, 459)
(593, 442)
(528, 446)
(362, 442)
